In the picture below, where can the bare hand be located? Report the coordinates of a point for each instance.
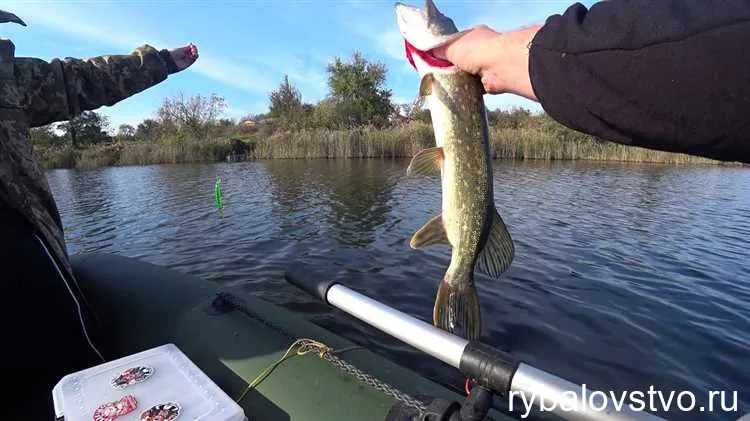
(475, 52)
(500, 59)
(184, 56)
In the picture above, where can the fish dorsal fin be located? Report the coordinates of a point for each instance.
(432, 11)
(498, 251)
(426, 162)
(437, 21)
(432, 232)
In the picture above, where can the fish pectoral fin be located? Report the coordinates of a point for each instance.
(425, 85)
(425, 162)
(498, 251)
(432, 232)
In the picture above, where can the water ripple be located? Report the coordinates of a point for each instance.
(625, 275)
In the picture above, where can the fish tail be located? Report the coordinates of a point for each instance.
(457, 306)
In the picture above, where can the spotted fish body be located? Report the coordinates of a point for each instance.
(469, 222)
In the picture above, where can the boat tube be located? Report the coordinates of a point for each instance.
(279, 366)
(239, 340)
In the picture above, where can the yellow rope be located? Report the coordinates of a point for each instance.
(305, 346)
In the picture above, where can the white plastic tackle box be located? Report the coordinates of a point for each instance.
(161, 383)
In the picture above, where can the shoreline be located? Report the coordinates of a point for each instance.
(494, 160)
(395, 142)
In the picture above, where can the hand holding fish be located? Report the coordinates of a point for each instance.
(500, 59)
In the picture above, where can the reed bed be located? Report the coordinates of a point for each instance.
(538, 142)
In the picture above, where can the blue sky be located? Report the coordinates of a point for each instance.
(246, 46)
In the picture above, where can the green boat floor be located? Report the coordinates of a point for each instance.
(141, 306)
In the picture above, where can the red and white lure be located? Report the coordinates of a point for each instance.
(162, 412)
(111, 410)
(132, 376)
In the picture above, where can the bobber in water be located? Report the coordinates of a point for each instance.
(217, 195)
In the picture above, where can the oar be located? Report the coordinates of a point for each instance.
(490, 368)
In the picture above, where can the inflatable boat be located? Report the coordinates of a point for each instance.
(276, 365)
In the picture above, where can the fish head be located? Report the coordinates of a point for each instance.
(423, 30)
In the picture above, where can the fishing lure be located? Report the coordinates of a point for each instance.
(163, 412)
(131, 376)
(218, 196)
(112, 410)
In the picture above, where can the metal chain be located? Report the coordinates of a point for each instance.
(375, 383)
(225, 299)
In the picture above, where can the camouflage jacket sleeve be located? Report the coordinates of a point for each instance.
(60, 89)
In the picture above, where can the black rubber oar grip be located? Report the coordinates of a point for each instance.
(309, 281)
(490, 367)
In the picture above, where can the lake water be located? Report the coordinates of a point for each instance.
(626, 276)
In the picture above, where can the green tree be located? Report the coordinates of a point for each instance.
(44, 136)
(194, 116)
(149, 129)
(286, 106)
(514, 118)
(126, 132)
(357, 89)
(86, 128)
(324, 114)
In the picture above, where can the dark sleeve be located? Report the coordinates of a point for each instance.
(671, 75)
(61, 89)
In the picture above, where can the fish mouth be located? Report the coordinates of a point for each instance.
(427, 57)
(420, 39)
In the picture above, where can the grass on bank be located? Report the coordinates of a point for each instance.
(536, 142)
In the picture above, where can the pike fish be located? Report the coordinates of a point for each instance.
(470, 222)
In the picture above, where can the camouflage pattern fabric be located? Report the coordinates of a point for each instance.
(34, 93)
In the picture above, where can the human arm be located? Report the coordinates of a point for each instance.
(669, 75)
(61, 89)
